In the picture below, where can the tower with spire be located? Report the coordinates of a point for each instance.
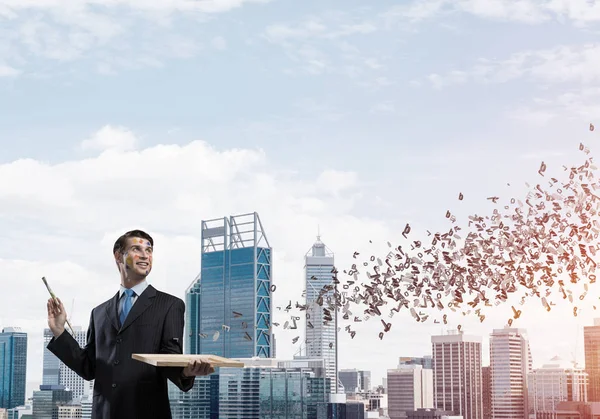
(321, 313)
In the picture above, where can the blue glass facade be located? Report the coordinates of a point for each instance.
(229, 303)
(13, 367)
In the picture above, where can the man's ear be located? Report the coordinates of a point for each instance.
(118, 257)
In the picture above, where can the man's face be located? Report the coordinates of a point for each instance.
(137, 256)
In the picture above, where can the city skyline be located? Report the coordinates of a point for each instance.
(343, 119)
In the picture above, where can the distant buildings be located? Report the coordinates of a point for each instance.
(556, 382)
(425, 362)
(591, 341)
(432, 414)
(13, 367)
(572, 410)
(510, 364)
(55, 372)
(457, 374)
(263, 388)
(47, 401)
(410, 387)
(355, 381)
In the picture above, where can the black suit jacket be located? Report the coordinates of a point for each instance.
(125, 388)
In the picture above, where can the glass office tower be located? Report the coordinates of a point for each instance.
(229, 304)
(13, 367)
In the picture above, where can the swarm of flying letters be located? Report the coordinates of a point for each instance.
(536, 246)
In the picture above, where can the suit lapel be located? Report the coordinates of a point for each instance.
(112, 309)
(141, 304)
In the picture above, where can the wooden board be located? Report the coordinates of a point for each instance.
(182, 360)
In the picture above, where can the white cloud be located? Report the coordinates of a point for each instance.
(533, 116)
(524, 11)
(107, 32)
(205, 6)
(219, 43)
(561, 64)
(386, 107)
(8, 71)
(324, 45)
(111, 138)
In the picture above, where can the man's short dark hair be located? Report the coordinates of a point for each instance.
(121, 242)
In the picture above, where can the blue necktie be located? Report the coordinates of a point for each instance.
(126, 305)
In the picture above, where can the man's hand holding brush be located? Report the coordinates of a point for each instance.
(57, 316)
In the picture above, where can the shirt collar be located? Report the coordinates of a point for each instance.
(138, 289)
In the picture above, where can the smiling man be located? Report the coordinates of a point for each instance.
(137, 319)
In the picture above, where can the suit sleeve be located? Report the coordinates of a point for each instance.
(171, 343)
(80, 360)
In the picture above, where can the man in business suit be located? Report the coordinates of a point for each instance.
(138, 319)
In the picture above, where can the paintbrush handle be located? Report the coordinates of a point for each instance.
(54, 299)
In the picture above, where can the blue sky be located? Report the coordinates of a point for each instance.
(356, 117)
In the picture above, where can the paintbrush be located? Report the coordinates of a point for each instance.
(56, 302)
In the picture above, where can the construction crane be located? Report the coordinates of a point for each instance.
(574, 353)
(71, 312)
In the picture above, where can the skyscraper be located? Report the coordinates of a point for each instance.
(321, 313)
(229, 304)
(457, 374)
(510, 364)
(591, 341)
(13, 367)
(55, 372)
(486, 384)
(556, 382)
(50, 362)
(410, 387)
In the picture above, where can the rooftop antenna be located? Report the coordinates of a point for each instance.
(318, 232)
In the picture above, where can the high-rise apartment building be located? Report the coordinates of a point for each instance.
(591, 341)
(457, 374)
(410, 387)
(229, 305)
(55, 372)
(321, 312)
(510, 363)
(13, 367)
(556, 382)
(486, 391)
